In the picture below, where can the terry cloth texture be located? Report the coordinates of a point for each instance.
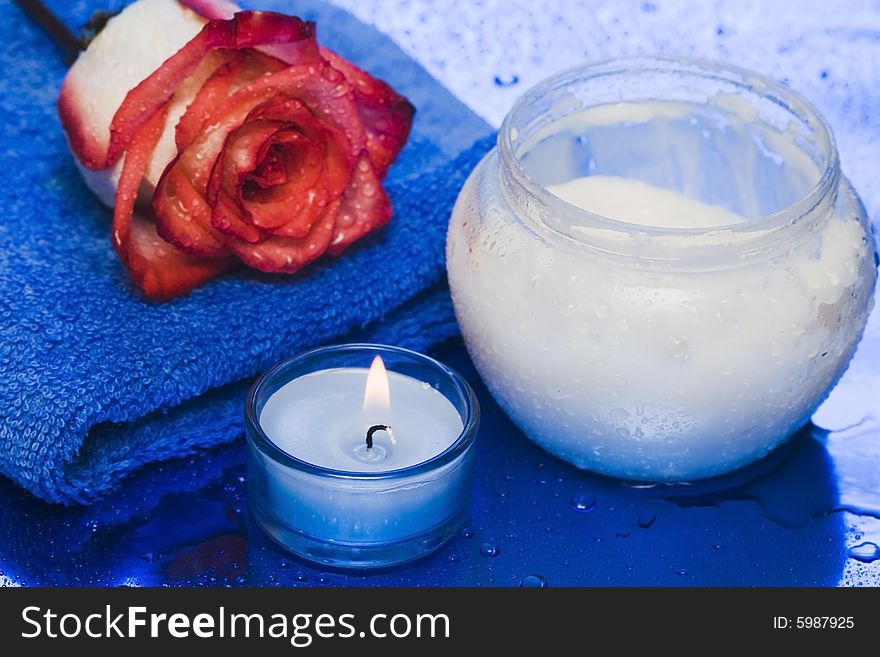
(95, 382)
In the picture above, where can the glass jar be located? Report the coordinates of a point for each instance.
(661, 353)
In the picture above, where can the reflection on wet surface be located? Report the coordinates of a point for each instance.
(809, 514)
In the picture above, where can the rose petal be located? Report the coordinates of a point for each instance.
(98, 81)
(174, 211)
(288, 208)
(338, 152)
(326, 95)
(157, 267)
(183, 214)
(246, 29)
(143, 143)
(211, 9)
(287, 254)
(228, 218)
(240, 155)
(163, 271)
(387, 116)
(365, 207)
(183, 217)
(215, 90)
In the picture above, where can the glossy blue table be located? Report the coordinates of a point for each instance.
(802, 516)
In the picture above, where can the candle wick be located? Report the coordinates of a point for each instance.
(373, 429)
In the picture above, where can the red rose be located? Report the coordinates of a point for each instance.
(279, 152)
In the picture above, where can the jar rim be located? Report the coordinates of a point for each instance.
(258, 439)
(746, 79)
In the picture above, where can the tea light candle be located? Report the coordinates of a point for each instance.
(361, 467)
(349, 411)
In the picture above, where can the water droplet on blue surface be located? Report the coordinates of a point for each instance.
(681, 572)
(229, 488)
(865, 552)
(646, 519)
(583, 502)
(506, 80)
(489, 550)
(467, 532)
(533, 582)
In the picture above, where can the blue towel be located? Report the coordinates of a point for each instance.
(95, 382)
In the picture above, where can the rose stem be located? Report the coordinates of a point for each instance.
(52, 26)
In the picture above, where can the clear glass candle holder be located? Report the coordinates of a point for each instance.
(348, 518)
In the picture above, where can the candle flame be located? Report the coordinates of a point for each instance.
(377, 395)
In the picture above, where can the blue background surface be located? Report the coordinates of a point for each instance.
(783, 521)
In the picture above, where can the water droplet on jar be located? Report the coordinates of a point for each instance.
(618, 414)
(679, 348)
(567, 310)
(865, 552)
(533, 582)
(583, 502)
(467, 532)
(489, 550)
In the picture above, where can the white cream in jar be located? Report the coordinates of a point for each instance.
(661, 272)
